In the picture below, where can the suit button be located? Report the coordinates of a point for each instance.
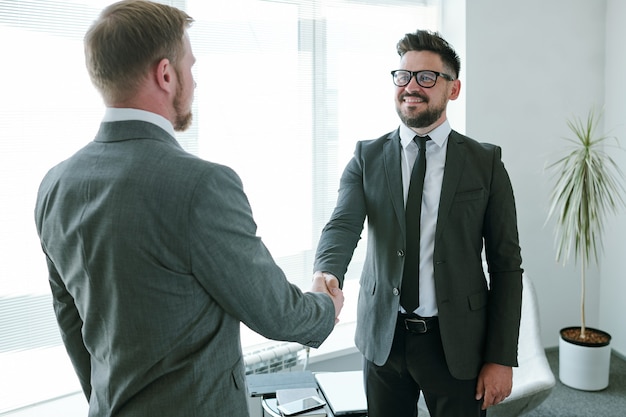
(400, 253)
(396, 291)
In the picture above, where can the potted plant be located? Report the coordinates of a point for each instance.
(588, 188)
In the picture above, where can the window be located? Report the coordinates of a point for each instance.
(285, 89)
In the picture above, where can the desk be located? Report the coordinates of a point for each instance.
(270, 410)
(265, 386)
(269, 407)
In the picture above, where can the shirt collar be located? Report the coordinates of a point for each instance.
(114, 114)
(439, 135)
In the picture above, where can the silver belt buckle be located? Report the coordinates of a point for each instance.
(421, 322)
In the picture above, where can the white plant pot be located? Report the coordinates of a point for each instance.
(584, 366)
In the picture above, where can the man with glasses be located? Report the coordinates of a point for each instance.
(434, 200)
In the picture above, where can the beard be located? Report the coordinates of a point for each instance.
(423, 119)
(183, 116)
(183, 121)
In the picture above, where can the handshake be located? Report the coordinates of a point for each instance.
(329, 284)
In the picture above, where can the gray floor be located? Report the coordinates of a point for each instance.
(568, 402)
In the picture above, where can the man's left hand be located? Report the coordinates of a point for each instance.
(494, 384)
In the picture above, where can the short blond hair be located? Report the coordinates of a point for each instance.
(127, 39)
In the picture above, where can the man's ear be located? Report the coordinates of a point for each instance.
(455, 90)
(165, 75)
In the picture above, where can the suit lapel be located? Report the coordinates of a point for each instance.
(393, 173)
(455, 161)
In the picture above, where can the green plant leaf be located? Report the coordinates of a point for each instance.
(588, 188)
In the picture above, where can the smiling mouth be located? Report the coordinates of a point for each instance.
(413, 100)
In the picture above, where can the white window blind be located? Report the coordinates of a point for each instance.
(285, 89)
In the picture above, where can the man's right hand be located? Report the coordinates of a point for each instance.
(329, 284)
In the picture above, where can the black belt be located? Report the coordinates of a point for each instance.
(413, 323)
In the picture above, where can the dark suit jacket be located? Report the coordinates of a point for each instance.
(154, 261)
(477, 324)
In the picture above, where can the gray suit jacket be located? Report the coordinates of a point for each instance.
(154, 262)
(477, 324)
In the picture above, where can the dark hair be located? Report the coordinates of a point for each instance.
(127, 39)
(423, 40)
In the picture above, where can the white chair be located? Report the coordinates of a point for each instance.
(533, 380)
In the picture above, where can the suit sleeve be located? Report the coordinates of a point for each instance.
(70, 326)
(343, 231)
(504, 259)
(236, 269)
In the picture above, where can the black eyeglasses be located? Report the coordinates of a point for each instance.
(426, 79)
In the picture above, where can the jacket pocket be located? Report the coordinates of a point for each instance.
(469, 195)
(477, 301)
(368, 285)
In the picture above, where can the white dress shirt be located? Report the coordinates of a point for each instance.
(435, 163)
(114, 114)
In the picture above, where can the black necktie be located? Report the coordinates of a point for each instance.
(409, 296)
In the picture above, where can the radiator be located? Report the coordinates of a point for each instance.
(273, 358)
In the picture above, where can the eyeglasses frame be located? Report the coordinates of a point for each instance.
(414, 75)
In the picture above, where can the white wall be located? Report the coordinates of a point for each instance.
(528, 66)
(613, 274)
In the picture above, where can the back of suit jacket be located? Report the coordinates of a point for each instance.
(154, 261)
(478, 323)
